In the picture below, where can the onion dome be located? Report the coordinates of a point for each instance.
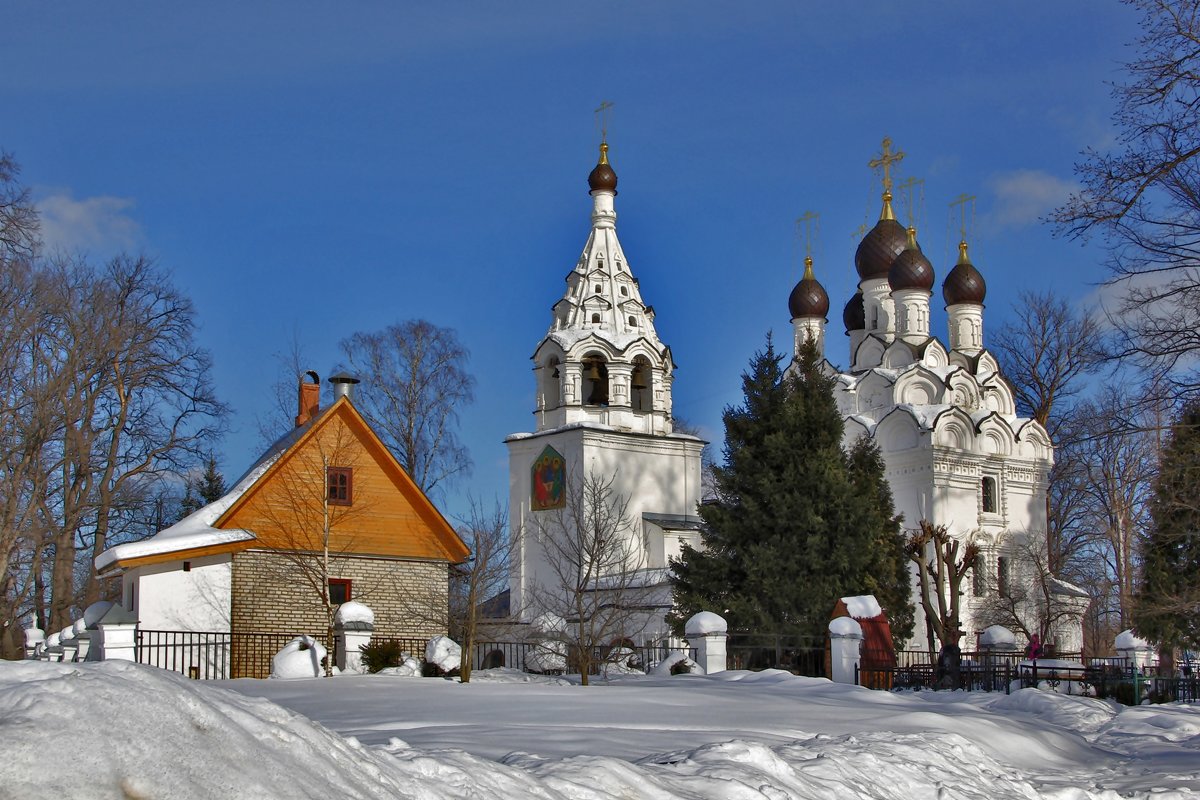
(603, 179)
(964, 284)
(808, 299)
(854, 317)
(911, 269)
(881, 245)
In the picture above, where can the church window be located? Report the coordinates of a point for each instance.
(979, 576)
(599, 289)
(640, 397)
(596, 376)
(596, 318)
(624, 291)
(551, 385)
(1002, 576)
(989, 495)
(632, 321)
(340, 486)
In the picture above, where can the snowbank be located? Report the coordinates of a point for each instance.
(998, 636)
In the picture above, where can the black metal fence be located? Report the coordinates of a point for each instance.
(801, 655)
(212, 655)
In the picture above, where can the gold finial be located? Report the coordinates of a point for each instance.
(885, 160)
(912, 238)
(603, 153)
(808, 270)
(603, 112)
(962, 252)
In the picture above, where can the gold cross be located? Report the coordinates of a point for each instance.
(885, 160)
(804, 229)
(905, 187)
(602, 117)
(962, 201)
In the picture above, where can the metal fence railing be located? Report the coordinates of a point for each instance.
(209, 655)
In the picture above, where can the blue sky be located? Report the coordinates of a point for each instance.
(315, 169)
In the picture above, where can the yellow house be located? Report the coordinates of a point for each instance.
(326, 515)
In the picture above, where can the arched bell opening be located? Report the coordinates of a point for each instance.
(551, 384)
(595, 380)
(641, 392)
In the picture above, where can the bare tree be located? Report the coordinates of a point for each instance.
(942, 562)
(1143, 197)
(414, 383)
(19, 225)
(279, 416)
(482, 577)
(594, 576)
(1031, 599)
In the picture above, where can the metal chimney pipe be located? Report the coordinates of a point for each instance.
(343, 386)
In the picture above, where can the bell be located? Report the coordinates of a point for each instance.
(555, 373)
(594, 371)
(639, 379)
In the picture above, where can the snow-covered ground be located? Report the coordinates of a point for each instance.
(120, 730)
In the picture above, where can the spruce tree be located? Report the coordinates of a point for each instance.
(798, 522)
(1167, 607)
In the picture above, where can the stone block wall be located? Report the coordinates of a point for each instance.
(277, 593)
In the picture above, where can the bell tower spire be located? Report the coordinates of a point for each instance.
(601, 361)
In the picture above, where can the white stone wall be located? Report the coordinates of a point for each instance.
(658, 474)
(167, 598)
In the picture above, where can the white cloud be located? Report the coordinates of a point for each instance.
(98, 225)
(1025, 196)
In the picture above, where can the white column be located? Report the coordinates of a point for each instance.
(118, 635)
(1135, 649)
(707, 632)
(33, 638)
(845, 642)
(351, 638)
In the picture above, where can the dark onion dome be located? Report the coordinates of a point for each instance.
(911, 269)
(603, 178)
(881, 245)
(964, 284)
(808, 299)
(854, 317)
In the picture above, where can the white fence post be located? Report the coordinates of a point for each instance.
(845, 646)
(118, 635)
(34, 637)
(1135, 649)
(707, 632)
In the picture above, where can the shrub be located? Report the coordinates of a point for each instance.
(381, 653)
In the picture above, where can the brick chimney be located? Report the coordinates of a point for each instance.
(309, 399)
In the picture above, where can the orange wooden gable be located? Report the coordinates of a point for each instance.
(388, 515)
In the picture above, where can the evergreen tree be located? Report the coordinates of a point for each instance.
(199, 492)
(1167, 607)
(798, 522)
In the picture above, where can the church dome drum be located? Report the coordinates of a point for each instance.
(879, 249)
(964, 284)
(809, 298)
(911, 269)
(854, 316)
(602, 178)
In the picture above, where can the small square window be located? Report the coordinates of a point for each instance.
(340, 483)
(339, 591)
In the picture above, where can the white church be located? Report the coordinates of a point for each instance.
(943, 415)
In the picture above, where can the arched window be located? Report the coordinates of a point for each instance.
(595, 378)
(1002, 576)
(640, 396)
(596, 319)
(979, 576)
(551, 384)
(989, 495)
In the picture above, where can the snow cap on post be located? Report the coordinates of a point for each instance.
(354, 616)
(863, 606)
(704, 623)
(997, 636)
(95, 612)
(845, 628)
(1128, 640)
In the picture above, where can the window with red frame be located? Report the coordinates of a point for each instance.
(339, 591)
(341, 486)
